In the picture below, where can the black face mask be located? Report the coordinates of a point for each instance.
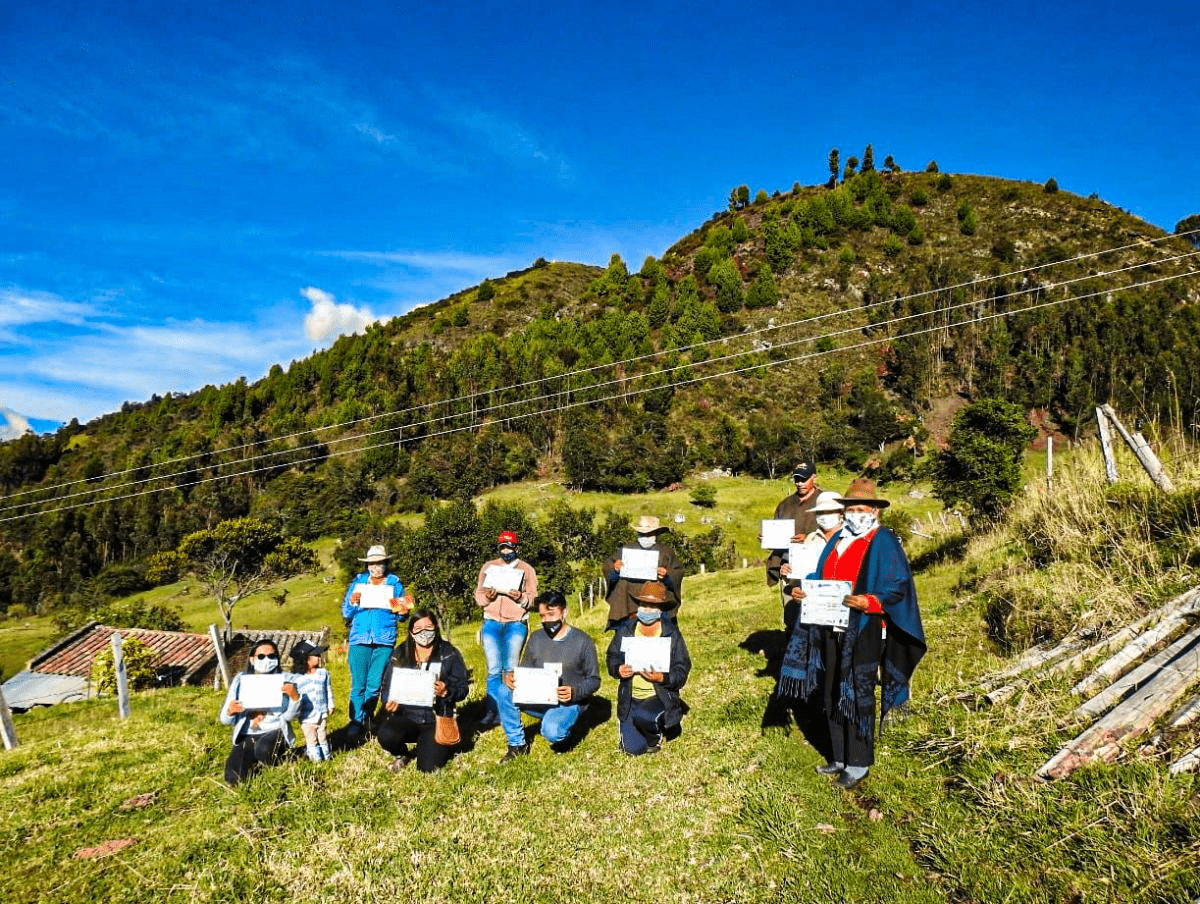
(552, 627)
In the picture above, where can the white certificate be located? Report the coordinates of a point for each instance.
(639, 564)
(777, 533)
(647, 654)
(503, 578)
(259, 692)
(535, 686)
(375, 596)
(822, 603)
(803, 558)
(412, 687)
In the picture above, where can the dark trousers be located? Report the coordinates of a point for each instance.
(643, 728)
(848, 746)
(399, 729)
(251, 752)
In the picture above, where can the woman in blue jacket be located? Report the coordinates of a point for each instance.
(372, 635)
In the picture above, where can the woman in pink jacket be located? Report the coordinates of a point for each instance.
(506, 590)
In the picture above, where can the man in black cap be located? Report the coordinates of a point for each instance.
(796, 507)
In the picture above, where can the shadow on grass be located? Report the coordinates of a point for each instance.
(598, 711)
(782, 713)
(951, 549)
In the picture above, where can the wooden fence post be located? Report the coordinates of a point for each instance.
(1110, 462)
(6, 724)
(1049, 461)
(222, 665)
(122, 677)
(1142, 450)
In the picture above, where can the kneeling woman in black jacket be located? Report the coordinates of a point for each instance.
(648, 704)
(405, 723)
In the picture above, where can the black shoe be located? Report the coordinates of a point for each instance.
(830, 769)
(514, 752)
(489, 721)
(847, 783)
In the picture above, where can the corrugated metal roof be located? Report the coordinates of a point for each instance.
(74, 655)
(25, 690)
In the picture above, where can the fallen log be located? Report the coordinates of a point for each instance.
(1031, 659)
(1133, 716)
(1189, 762)
(1119, 663)
(1185, 715)
(1111, 695)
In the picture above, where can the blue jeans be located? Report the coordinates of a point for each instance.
(367, 663)
(557, 721)
(643, 728)
(502, 643)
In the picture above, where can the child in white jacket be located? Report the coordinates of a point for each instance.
(316, 699)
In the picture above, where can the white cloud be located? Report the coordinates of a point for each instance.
(23, 308)
(328, 318)
(13, 425)
(476, 265)
(371, 132)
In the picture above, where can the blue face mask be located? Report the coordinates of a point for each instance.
(509, 556)
(649, 616)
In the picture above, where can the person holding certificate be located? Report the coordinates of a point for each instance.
(506, 589)
(649, 658)
(795, 507)
(631, 567)
(870, 559)
(374, 602)
(801, 558)
(558, 673)
(425, 678)
(260, 706)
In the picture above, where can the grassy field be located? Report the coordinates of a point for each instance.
(731, 811)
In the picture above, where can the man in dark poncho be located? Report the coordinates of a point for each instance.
(884, 636)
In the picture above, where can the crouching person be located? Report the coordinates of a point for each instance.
(571, 654)
(648, 703)
(411, 717)
(261, 712)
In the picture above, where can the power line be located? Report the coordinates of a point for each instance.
(475, 413)
(690, 381)
(567, 375)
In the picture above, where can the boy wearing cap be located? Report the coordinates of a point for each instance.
(795, 507)
(621, 602)
(372, 635)
(505, 620)
(572, 654)
(648, 702)
(316, 699)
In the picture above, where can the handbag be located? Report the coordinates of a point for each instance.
(446, 731)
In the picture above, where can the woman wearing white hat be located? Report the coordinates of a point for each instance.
(372, 634)
(827, 512)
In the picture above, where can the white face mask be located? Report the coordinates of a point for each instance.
(830, 521)
(859, 523)
(264, 666)
(424, 638)
(646, 540)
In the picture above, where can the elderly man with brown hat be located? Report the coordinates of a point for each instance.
(881, 644)
(621, 589)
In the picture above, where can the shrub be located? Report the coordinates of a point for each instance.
(892, 246)
(703, 496)
(1051, 186)
(139, 667)
(919, 197)
(981, 465)
(931, 167)
(944, 182)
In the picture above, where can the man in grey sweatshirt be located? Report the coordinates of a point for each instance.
(571, 654)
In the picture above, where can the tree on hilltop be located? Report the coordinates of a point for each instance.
(981, 464)
(1189, 228)
(835, 167)
(868, 161)
(739, 197)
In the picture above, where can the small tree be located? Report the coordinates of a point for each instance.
(981, 465)
(1189, 228)
(703, 496)
(851, 168)
(931, 167)
(835, 167)
(486, 291)
(868, 161)
(727, 279)
(139, 666)
(1051, 186)
(739, 197)
(240, 557)
(761, 197)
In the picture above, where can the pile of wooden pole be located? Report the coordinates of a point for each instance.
(1148, 668)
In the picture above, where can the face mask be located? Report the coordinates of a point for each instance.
(552, 627)
(649, 616)
(859, 523)
(510, 556)
(265, 666)
(645, 541)
(828, 522)
(424, 638)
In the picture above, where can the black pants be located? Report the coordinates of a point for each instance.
(251, 752)
(847, 745)
(399, 729)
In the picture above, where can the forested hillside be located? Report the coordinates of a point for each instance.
(840, 321)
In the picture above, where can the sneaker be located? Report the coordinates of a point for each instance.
(514, 752)
(849, 782)
(398, 764)
(830, 769)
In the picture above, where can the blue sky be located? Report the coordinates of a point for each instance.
(192, 192)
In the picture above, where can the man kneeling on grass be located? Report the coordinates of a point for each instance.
(571, 654)
(648, 702)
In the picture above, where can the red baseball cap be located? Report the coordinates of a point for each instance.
(507, 538)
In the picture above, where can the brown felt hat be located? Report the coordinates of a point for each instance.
(862, 492)
(652, 593)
